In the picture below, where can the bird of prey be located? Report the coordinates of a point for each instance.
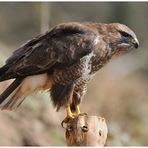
(62, 61)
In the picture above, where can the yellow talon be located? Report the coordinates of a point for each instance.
(69, 112)
(70, 115)
(77, 111)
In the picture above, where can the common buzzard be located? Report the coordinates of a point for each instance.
(63, 60)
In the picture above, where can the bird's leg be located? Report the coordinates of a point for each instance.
(69, 112)
(70, 115)
(77, 110)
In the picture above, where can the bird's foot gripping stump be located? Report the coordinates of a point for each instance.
(86, 131)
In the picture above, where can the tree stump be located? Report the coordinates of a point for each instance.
(86, 131)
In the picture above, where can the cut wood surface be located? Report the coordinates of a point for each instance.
(86, 131)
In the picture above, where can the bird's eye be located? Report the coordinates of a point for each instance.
(124, 34)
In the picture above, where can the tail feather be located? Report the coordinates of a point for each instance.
(2, 72)
(20, 88)
(8, 99)
(13, 103)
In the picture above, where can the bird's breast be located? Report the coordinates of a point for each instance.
(80, 70)
(98, 63)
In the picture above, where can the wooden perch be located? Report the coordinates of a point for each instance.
(86, 131)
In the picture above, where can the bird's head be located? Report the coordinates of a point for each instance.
(122, 38)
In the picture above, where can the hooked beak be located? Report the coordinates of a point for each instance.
(129, 43)
(135, 42)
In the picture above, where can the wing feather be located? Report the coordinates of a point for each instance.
(64, 44)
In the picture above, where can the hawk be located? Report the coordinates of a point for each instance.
(62, 61)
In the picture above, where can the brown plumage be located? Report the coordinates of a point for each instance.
(63, 60)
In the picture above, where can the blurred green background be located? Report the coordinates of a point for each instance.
(118, 92)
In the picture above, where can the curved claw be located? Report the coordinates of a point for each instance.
(67, 120)
(70, 115)
(62, 124)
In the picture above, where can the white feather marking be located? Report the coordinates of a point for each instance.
(18, 102)
(87, 66)
(29, 86)
(96, 40)
(37, 45)
(35, 83)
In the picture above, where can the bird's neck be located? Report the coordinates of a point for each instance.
(99, 61)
